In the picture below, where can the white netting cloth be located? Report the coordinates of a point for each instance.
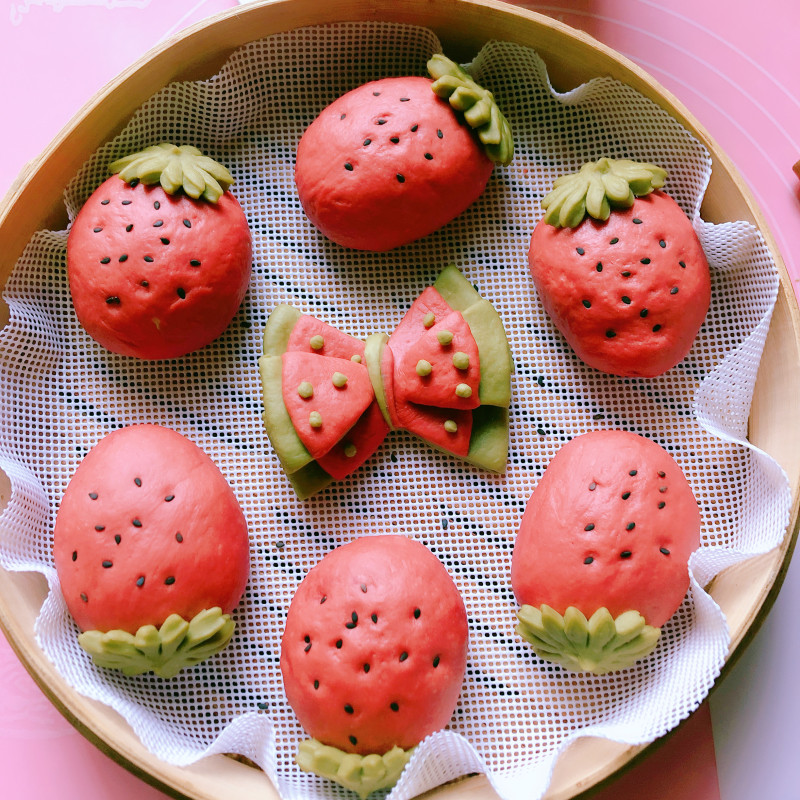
(61, 393)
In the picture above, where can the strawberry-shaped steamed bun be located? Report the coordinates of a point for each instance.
(619, 268)
(373, 658)
(159, 257)
(601, 558)
(152, 551)
(392, 160)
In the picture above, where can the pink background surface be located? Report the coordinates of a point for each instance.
(736, 72)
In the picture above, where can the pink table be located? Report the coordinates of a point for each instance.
(735, 73)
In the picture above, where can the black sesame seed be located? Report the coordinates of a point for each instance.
(664, 550)
(403, 656)
(644, 260)
(599, 266)
(170, 580)
(580, 251)
(626, 495)
(364, 588)
(625, 554)
(662, 243)
(630, 526)
(134, 183)
(626, 300)
(117, 538)
(592, 486)
(148, 259)
(164, 240)
(435, 661)
(683, 264)
(400, 178)
(339, 644)
(610, 334)
(636, 221)
(374, 617)
(614, 240)
(97, 230)
(181, 293)
(106, 202)
(74, 555)
(99, 527)
(158, 223)
(169, 498)
(376, 94)
(144, 283)
(429, 156)
(439, 133)
(380, 122)
(588, 560)
(414, 128)
(107, 564)
(187, 223)
(137, 523)
(662, 489)
(404, 99)
(673, 290)
(323, 599)
(179, 538)
(316, 684)
(626, 274)
(307, 647)
(394, 139)
(656, 328)
(353, 740)
(123, 257)
(129, 228)
(633, 472)
(661, 504)
(643, 313)
(366, 667)
(348, 166)
(84, 597)
(394, 706)
(348, 709)
(367, 142)
(589, 527)
(93, 495)
(342, 116)
(137, 481)
(586, 304)
(105, 260)
(417, 613)
(662, 474)
(194, 263)
(156, 205)
(140, 581)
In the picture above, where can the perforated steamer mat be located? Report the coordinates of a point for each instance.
(61, 393)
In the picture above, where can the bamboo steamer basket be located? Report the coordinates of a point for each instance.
(745, 592)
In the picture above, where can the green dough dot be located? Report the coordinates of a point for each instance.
(444, 337)
(339, 380)
(350, 450)
(450, 426)
(315, 419)
(429, 319)
(463, 390)
(424, 368)
(356, 358)
(305, 389)
(460, 360)
(316, 342)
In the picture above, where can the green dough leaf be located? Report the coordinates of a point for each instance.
(477, 105)
(599, 187)
(182, 168)
(165, 650)
(600, 644)
(360, 774)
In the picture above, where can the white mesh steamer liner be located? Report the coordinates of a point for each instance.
(61, 393)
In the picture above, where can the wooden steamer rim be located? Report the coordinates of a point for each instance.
(745, 592)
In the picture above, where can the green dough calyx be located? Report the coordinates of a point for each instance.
(597, 188)
(360, 774)
(599, 645)
(477, 105)
(176, 169)
(165, 650)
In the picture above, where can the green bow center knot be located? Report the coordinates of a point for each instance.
(177, 169)
(598, 187)
(477, 104)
